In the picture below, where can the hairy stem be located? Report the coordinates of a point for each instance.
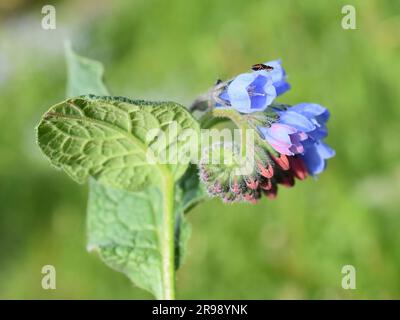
(242, 122)
(239, 122)
(231, 114)
(168, 236)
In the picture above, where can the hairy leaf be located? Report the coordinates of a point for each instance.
(126, 229)
(105, 139)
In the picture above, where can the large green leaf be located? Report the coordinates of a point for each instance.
(135, 210)
(105, 138)
(126, 229)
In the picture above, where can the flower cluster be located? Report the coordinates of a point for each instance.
(290, 144)
(301, 130)
(267, 172)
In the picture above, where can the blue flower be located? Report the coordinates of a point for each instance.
(278, 76)
(250, 92)
(315, 113)
(288, 134)
(284, 138)
(301, 130)
(292, 137)
(255, 91)
(316, 152)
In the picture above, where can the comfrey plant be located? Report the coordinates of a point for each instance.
(148, 163)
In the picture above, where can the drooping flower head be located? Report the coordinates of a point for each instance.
(291, 138)
(268, 171)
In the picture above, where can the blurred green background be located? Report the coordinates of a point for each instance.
(293, 247)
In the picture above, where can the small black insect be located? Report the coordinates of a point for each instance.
(261, 66)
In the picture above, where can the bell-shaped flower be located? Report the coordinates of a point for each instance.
(317, 114)
(255, 91)
(250, 92)
(278, 76)
(284, 138)
(315, 155)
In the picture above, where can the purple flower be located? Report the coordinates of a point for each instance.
(284, 138)
(287, 135)
(316, 152)
(309, 118)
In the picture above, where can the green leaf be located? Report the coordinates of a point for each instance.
(125, 228)
(192, 191)
(84, 76)
(135, 211)
(106, 138)
(188, 193)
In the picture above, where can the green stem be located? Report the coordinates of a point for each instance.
(238, 120)
(168, 240)
(231, 114)
(242, 123)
